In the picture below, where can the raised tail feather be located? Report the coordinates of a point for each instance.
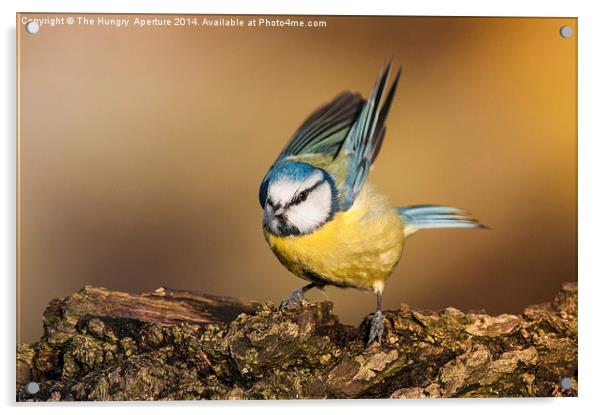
(433, 216)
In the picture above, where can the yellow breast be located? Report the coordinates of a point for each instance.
(357, 248)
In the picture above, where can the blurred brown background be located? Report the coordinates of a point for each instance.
(141, 152)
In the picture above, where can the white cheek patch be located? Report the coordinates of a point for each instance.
(308, 215)
(282, 191)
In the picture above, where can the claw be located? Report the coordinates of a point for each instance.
(292, 300)
(377, 327)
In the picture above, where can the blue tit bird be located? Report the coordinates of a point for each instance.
(322, 218)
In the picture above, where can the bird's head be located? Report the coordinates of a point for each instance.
(297, 199)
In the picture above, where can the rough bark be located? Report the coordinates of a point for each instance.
(106, 345)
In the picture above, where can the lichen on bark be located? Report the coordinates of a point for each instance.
(165, 345)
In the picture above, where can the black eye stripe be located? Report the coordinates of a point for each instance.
(298, 198)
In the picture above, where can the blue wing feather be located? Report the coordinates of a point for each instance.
(365, 138)
(324, 131)
(348, 127)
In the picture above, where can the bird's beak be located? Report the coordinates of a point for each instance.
(269, 215)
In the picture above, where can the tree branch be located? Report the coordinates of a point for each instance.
(109, 345)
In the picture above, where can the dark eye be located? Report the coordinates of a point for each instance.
(303, 196)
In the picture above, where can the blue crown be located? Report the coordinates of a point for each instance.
(293, 170)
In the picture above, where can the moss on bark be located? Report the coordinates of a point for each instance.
(107, 345)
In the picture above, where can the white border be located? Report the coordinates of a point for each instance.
(590, 201)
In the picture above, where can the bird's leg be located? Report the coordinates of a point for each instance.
(377, 325)
(296, 297)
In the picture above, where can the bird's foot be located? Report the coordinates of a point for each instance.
(292, 300)
(377, 327)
